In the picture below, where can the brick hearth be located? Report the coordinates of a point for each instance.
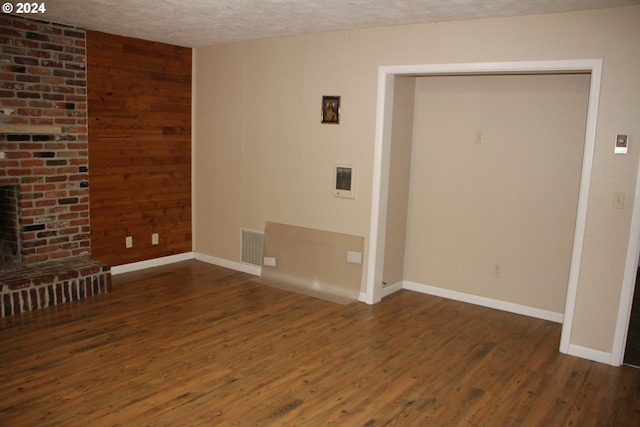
(44, 159)
(52, 283)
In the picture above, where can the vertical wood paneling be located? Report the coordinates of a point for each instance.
(139, 147)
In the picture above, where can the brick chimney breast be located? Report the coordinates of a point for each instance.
(43, 89)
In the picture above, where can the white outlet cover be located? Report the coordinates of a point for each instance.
(269, 261)
(354, 257)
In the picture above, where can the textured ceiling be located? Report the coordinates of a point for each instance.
(195, 23)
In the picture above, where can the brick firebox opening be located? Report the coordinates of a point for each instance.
(9, 243)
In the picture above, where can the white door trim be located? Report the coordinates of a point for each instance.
(628, 281)
(386, 75)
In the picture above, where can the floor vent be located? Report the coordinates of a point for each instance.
(251, 247)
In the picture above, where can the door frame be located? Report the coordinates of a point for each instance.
(628, 281)
(382, 147)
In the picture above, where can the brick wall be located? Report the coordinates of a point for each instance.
(43, 82)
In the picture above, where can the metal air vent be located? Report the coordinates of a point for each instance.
(251, 246)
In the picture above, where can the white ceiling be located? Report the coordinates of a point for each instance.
(195, 23)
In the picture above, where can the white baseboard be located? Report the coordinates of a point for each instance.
(155, 262)
(390, 289)
(386, 291)
(485, 302)
(245, 268)
(591, 354)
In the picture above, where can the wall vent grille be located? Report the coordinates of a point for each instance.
(251, 246)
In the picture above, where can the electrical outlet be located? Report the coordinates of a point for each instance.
(155, 239)
(269, 261)
(354, 257)
(618, 200)
(128, 241)
(497, 270)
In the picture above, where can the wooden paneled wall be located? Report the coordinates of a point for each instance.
(139, 100)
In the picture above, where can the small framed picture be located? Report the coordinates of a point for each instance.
(331, 109)
(345, 181)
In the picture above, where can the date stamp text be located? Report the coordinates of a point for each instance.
(24, 8)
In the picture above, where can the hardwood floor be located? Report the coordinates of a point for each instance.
(196, 344)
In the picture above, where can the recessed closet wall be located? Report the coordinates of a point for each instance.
(483, 188)
(399, 179)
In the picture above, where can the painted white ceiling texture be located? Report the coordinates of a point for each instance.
(194, 23)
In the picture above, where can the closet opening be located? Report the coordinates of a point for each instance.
(390, 79)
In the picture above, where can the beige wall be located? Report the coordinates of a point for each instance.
(261, 153)
(496, 219)
(399, 179)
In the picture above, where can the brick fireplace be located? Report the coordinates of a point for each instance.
(44, 186)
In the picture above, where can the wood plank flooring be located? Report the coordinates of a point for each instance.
(196, 344)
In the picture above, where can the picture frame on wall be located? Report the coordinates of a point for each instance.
(331, 109)
(344, 181)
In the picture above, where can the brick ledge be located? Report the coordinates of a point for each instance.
(52, 283)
